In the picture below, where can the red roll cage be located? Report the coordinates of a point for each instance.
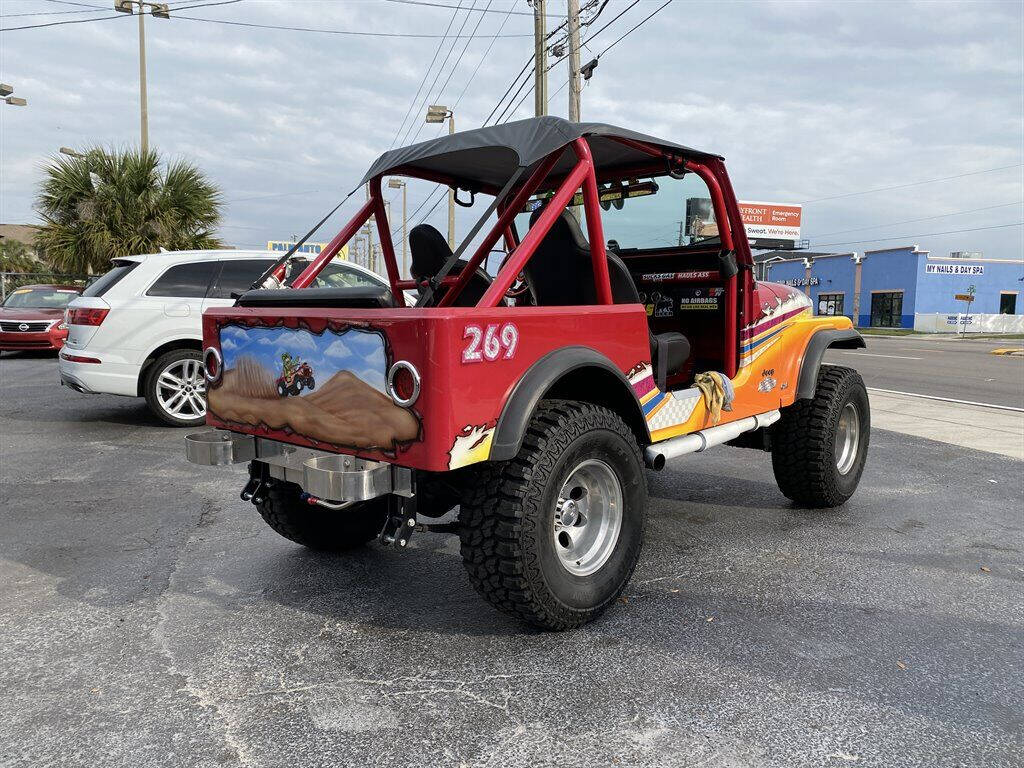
(583, 174)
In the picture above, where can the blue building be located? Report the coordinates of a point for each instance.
(886, 288)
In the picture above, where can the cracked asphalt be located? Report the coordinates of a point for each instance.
(150, 618)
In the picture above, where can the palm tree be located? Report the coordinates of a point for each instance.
(15, 256)
(102, 205)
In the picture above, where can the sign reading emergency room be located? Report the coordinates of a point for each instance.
(771, 221)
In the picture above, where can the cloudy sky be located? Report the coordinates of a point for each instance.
(810, 103)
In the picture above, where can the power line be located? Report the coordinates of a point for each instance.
(634, 28)
(346, 32)
(118, 16)
(923, 218)
(483, 57)
(921, 234)
(426, 74)
(591, 37)
(90, 9)
(458, 61)
(913, 183)
(510, 87)
(511, 10)
(611, 21)
(437, 75)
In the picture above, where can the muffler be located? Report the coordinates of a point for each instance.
(657, 454)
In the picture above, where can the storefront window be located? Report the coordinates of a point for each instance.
(830, 303)
(886, 309)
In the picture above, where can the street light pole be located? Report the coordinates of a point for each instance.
(161, 11)
(399, 184)
(438, 114)
(143, 99)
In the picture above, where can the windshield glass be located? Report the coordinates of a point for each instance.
(41, 298)
(652, 213)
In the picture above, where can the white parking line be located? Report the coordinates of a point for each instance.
(894, 357)
(946, 399)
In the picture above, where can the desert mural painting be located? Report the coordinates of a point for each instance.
(327, 387)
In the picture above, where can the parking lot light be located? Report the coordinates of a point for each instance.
(14, 101)
(437, 113)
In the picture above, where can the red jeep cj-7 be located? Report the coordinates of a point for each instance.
(532, 397)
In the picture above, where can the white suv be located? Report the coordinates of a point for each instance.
(137, 330)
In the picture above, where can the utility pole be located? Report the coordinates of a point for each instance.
(574, 60)
(540, 58)
(161, 11)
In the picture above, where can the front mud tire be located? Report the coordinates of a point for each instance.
(317, 527)
(815, 463)
(510, 518)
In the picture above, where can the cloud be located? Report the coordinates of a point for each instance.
(805, 100)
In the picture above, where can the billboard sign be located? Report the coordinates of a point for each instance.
(768, 225)
(771, 221)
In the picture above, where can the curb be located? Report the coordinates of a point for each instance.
(1015, 351)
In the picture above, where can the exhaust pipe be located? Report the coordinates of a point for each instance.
(657, 454)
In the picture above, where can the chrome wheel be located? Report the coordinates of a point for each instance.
(847, 440)
(588, 517)
(181, 389)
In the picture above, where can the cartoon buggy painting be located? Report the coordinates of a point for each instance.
(536, 396)
(295, 376)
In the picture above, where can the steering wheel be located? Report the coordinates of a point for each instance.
(520, 286)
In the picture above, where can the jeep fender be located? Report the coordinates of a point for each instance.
(572, 373)
(815, 351)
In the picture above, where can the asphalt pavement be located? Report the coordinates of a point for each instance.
(150, 618)
(962, 369)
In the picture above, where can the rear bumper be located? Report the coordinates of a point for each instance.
(94, 378)
(328, 476)
(52, 340)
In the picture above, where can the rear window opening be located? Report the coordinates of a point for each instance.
(110, 279)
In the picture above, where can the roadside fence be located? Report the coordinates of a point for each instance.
(960, 322)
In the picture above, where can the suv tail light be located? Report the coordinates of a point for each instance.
(86, 316)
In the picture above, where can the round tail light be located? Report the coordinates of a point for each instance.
(403, 383)
(213, 364)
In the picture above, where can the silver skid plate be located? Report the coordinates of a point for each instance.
(329, 476)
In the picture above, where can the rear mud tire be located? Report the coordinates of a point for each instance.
(317, 527)
(507, 519)
(808, 455)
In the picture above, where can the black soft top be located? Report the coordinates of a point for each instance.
(487, 157)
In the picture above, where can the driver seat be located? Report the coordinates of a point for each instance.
(430, 252)
(561, 273)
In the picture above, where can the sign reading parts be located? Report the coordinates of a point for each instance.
(954, 269)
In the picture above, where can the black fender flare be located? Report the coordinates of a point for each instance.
(538, 381)
(815, 351)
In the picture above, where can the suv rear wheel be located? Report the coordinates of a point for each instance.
(175, 388)
(552, 536)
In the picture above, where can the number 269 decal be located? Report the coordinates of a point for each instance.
(490, 343)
